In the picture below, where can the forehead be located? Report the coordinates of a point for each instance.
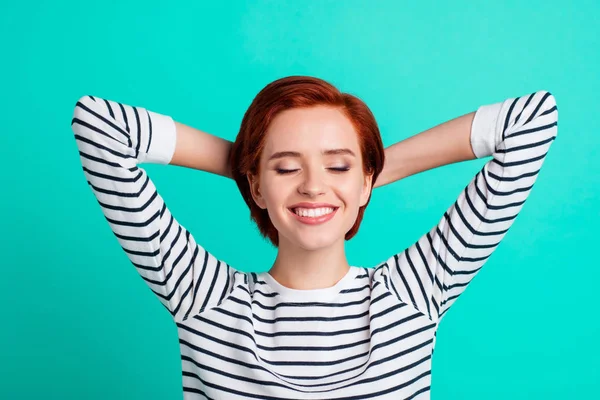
(310, 130)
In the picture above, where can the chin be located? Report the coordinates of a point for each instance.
(312, 242)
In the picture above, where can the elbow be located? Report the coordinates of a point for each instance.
(81, 111)
(548, 110)
(83, 101)
(548, 104)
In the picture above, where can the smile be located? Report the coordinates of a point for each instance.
(313, 216)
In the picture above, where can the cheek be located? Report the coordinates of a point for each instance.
(274, 195)
(352, 188)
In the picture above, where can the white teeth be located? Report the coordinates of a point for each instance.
(313, 212)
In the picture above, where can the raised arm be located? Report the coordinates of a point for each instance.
(113, 139)
(200, 150)
(517, 132)
(444, 144)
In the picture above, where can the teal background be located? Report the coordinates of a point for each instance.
(77, 320)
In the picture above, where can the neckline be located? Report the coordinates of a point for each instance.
(323, 294)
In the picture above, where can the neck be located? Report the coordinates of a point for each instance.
(302, 269)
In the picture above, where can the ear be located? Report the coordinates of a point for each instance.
(366, 189)
(255, 191)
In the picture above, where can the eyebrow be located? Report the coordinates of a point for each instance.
(283, 154)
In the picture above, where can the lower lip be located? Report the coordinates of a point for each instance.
(314, 220)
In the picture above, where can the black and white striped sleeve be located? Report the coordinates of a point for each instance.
(434, 271)
(112, 139)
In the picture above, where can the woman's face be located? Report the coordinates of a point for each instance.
(311, 178)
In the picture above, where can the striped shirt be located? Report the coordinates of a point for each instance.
(242, 335)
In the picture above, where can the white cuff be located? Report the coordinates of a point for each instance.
(485, 132)
(164, 139)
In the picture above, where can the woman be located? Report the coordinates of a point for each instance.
(305, 160)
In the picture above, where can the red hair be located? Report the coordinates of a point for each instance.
(299, 92)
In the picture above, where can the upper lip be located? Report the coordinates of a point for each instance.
(312, 205)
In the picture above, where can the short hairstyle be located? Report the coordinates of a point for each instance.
(299, 92)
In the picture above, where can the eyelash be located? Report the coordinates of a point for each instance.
(289, 171)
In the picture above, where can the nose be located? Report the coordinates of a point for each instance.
(313, 183)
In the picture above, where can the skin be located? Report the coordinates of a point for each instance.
(311, 176)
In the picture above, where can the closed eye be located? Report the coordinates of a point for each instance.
(340, 169)
(285, 171)
(281, 171)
